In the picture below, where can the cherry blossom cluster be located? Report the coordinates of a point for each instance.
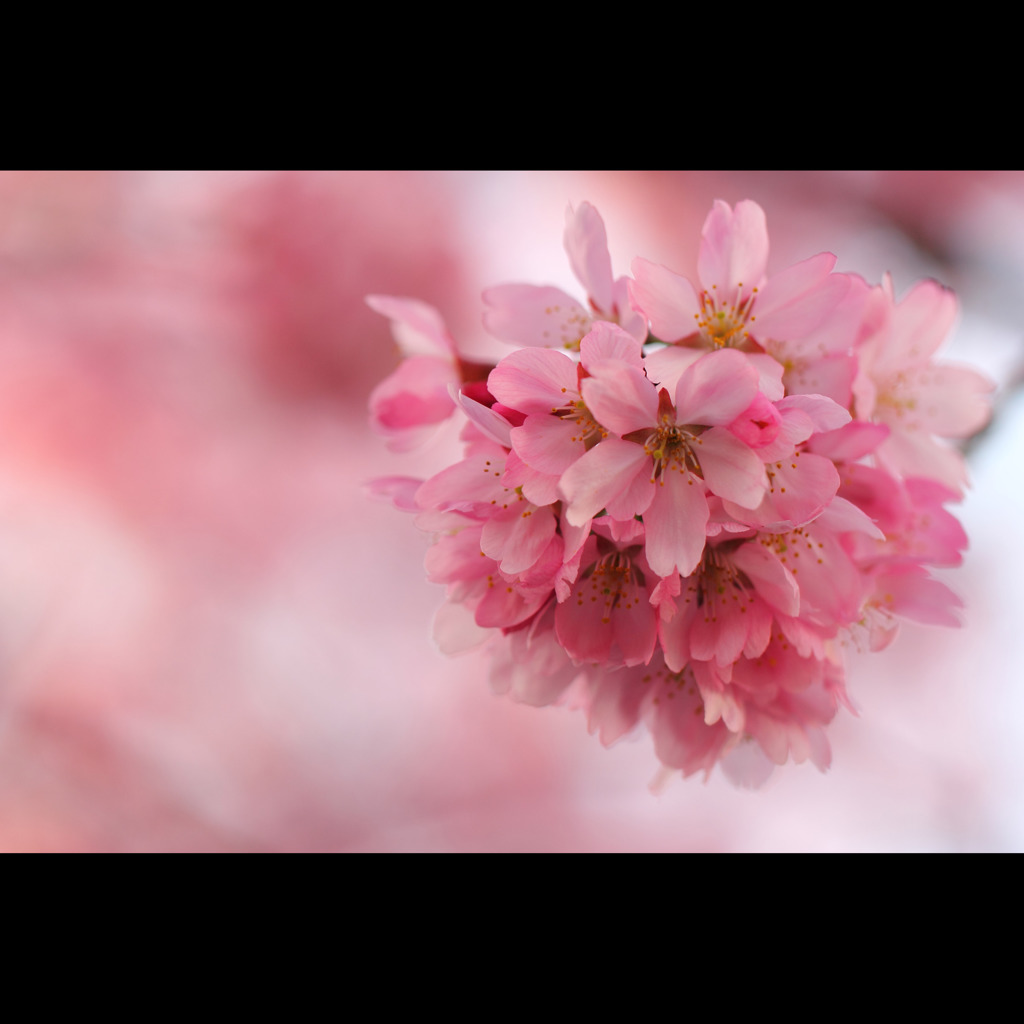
(680, 503)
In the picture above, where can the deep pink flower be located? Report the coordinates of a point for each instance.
(607, 618)
(725, 608)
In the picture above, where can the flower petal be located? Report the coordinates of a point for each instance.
(667, 299)
(675, 524)
(621, 399)
(733, 249)
(586, 242)
(716, 389)
(418, 328)
(731, 469)
(534, 380)
(606, 470)
(535, 315)
(607, 342)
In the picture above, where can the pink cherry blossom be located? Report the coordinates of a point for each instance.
(676, 454)
(607, 618)
(737, 304)
(899, 384)
(548, 317)
(686, 531)
(543, 387)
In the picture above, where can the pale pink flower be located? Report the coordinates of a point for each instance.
(910, 515)
(822, 361)
(901, 386)
(544, 388)
(737, 305)
(545, 316)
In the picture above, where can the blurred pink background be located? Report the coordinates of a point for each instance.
(212, 639)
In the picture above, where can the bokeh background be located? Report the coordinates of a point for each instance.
(212, 639)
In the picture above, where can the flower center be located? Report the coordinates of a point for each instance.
(671, 446)
(717, 582)
(613, 582)
(588, 429)
(724, 324)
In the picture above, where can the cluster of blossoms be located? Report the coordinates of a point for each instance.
(681, 502)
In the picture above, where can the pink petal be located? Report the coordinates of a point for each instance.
(471, 486)
(614, 700)
(716, 389)
(832, 376)
(607, 342)
(674, 633)
(415, 395)
(795, 302)
(915, 595)
(527, 314)
(631, 500)
(731, 469)
(667, 365)
(487, 420)
(950, 401)
(842, 516)
(633, 322)
(769, 576)
(534, 380)
(608, 618)
(517, 536)
(769, 373)
(418, 328)
(548, 444)
(824, 413)
(667, 300)
(621, 399)
(849, 443)
(595, 479)
(734, 248)
(681, 738)
(675, 524)
(761, 622)
(800, 487)
(918, 326)
(635, 623)
(586, 242)
(719, 635)
(919, 454)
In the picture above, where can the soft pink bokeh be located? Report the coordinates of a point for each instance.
(212, 639)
